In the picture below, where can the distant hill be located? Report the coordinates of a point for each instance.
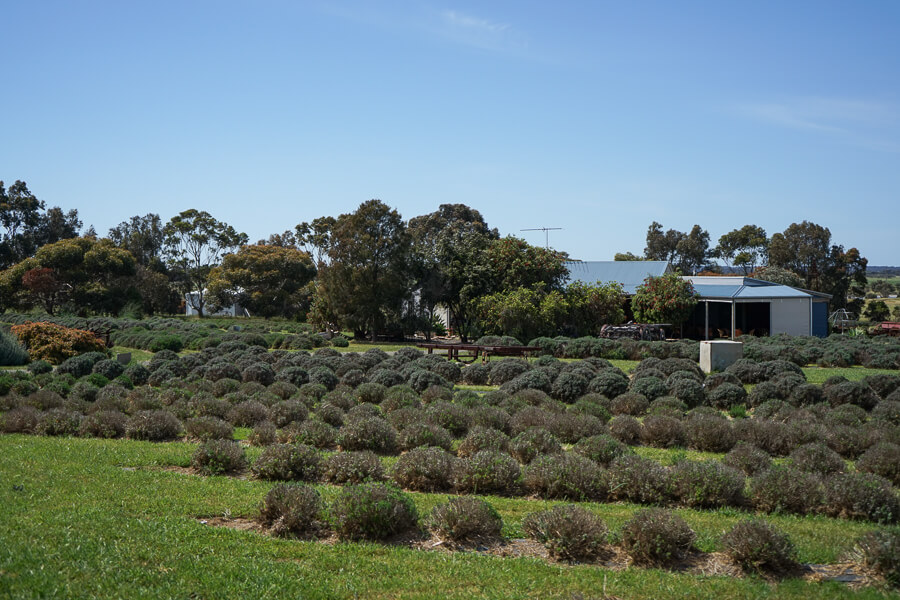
(882, 271)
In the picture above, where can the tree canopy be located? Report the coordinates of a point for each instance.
(27, 227)
(266, 280)
(87, 273)
(664, 299)
(364, 273)
(194, 243)
(143, 237)
(686, 252)
(806, 249)
(745, 247)
(448, 261)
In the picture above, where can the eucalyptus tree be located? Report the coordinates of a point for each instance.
(195, 242)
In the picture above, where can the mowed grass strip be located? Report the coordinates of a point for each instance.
(92, 518)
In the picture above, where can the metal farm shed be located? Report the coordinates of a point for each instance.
(732, 306)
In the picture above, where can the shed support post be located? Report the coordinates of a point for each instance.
(706, 324)
(733, 314)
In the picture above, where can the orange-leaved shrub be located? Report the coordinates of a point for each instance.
(55, 343)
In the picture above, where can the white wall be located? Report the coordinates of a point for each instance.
(791, 316)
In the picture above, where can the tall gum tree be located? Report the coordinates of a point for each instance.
(364, 276)
(194, 243)
(448, 251)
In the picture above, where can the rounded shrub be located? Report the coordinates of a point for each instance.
(641, 480)
(487, 472)
(650, 387)
(569, 386)
(288, 462)
(248, 414)
(424, 434)
(629, 403)
(264, 433)
(464, 519)
(782, 489)
(688, 391)
(569, 532)
(773, 437)
(424, 470)
(447, 369)
(887, 411)
(662, 432)
(323, 376)
(747, 371)
(39, 367)
(608, 383)
(44, 400)
(21, 419)
(861, 496)
(851, 392)
(656, 536)
(880, 551)
(847, 440)
(103, 424)
(506, 370)
(565, 476)
(153, 426)
(532, 442)
(668, 406)
(726, 396)
(535, 379)
(476, 374)
(483, 438)
(368, 433)
(294, 375)
(108, 368)
(708, 433)
(707, 484)
(421, 379)
(816, 458)
(57, 422)
(218, 456)
(373, 393)
(626, 429)
(353, 467)
(314, 432)
(386, 377)
(208, 428)
(747, 458)
(452, 417)
(372, 511)
(881, 459)
(758, 546)
(602, 449)
(291, 509)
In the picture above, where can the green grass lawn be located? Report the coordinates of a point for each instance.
(820, 374)
(86, 518)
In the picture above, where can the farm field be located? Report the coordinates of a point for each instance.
(112, 474)
(104, 518)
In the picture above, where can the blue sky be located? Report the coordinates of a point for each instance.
(596, 117)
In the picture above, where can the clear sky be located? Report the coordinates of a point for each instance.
(597, 117)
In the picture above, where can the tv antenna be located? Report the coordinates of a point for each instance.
(546, 231)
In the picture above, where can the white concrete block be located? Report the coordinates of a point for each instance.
(719, 354)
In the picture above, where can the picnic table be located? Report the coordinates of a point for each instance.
(469, 353)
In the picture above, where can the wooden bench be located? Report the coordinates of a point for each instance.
(469, 353)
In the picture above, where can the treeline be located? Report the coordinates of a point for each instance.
(803, 256)
(370, 271)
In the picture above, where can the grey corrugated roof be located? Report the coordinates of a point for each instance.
(744, 292)
(630, 273)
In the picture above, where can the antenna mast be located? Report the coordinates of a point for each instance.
(546, 231)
